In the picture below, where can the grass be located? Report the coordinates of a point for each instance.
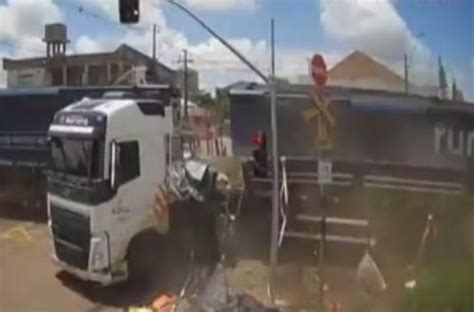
(443, 288)
(445, 276)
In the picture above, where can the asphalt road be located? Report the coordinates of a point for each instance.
(30, 281)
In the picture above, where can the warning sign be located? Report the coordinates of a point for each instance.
(324, 172)
(324, 119)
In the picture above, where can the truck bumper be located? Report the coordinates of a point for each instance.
(103, 278)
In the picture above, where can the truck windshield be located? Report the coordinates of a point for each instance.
(77, 157)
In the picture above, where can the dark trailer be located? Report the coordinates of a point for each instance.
(371, 126)
(25, 116)
(380, 141)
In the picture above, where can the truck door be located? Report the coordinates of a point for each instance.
(128, 201)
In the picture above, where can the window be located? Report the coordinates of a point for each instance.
(78, 157)
(128, 160)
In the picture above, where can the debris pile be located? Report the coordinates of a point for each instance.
(198, 194)
(217, 296)
(212, 295)
(192, 179)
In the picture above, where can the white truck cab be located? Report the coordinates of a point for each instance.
(107, 158)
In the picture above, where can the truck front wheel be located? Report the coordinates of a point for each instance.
(145, 258)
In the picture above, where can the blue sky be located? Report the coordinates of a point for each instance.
(384, 28)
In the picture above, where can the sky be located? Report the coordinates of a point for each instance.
(385, 29)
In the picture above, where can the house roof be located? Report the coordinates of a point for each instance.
(359, 65)
(123, 51)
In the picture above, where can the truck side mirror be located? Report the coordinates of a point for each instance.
(113, 164)
(129, 11)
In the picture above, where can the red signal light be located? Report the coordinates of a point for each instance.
(259, 139)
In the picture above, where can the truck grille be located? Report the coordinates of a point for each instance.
(71, 234)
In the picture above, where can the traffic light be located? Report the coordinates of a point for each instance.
(260, 155)
(129, 11)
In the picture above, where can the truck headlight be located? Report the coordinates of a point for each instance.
(99, 256)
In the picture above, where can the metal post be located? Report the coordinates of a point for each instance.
(322, 133)
(275, 158)
(154, 45)
(322, 242)
(185, 85)
(405, 62)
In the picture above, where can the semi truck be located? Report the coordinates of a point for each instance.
(107, 158)
(112, 215)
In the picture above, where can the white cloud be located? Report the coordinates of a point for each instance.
(375, 27)
(86, 44)
(27, 18)
(222, 5)
(23, 28)
(371, 25)
(29, 46)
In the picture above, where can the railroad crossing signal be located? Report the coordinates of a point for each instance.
(324, 118)
(320, 109)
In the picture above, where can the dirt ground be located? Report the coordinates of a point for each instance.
(29, 281)
(298, 278)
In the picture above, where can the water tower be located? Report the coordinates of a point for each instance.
(55, 36)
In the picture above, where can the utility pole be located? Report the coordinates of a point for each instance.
(154, 44)
(405, 66)
(185, 85)
(276, 173)
(185, 60)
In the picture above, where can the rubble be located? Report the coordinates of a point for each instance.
(209, 293)
(218, 296)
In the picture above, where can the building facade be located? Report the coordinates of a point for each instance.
(124, 66)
